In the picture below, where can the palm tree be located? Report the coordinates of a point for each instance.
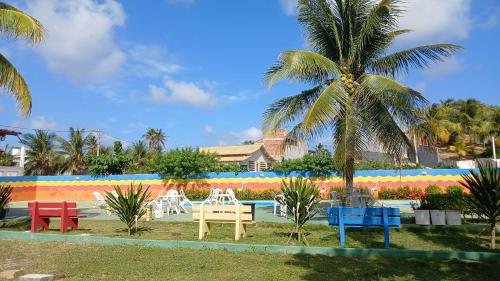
(41, 156)
(138, 150)
(15, 24)
(155, 139)
(354, 97)
(74, 150)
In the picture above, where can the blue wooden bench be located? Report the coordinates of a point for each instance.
(364, 217)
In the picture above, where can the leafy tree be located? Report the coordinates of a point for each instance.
(16, 24)
(155, 139)
(182, 163)
(117, 147)
(355, 98)
(74, 151)
(484, 187)
(300, 197)
(129, 206)
(41, 156)
(319, 162)
(248, 142)
(108, 164)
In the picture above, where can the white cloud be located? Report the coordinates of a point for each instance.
(39, 123)
(151, 60)
(289, 7)
(179, 92)
(80, 42)
(434, 20)
(251, 133)
(442, 68)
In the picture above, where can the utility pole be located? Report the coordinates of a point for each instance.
(98, 131)
(494, 148)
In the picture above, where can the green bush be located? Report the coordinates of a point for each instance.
(444, 201)
(401, 193)
(319, 163)
(432, 189)
(199, 194)
(454, 189)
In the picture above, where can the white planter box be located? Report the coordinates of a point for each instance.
(453, 217)
(422, 217)
(438, 217)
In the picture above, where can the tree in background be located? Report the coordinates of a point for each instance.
(318, 162)
(74, 150)
(117, 147)
(16, 24)
(41, 155)
(355, 98)
(138, 150)
(156, 139)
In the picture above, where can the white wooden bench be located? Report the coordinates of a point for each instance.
(240, 215)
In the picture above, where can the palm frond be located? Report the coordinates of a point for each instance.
(418, 57)
(15, 23)
(304, 66)
(13, 82)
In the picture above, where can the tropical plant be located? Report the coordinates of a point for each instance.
(5, 197)
(129, 206)
(319, 162)
(74, 150)
(41, 155)
(117, 147)
(355, 98)
(16, 24)
(460, 148)
(6, 159)
(484, 187)
(155, 139)
(187, 162)
(138, 150)
(301, 198)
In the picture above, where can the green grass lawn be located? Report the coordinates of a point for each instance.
(93, 262)
(414, 237)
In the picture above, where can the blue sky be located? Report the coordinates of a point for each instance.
(194, 67)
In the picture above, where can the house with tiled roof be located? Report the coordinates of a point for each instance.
(260, 155)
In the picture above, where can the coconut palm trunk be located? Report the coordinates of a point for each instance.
(353, 95)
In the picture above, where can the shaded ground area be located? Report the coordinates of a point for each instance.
(18, 209)
(411, 237)
(92, 262)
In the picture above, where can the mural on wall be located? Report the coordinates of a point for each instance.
(81, 187)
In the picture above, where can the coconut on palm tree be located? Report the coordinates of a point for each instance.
(41, 156)
(16, 24)
(354, 98)
(74, 150)
(155, 139)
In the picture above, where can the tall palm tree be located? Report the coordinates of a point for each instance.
(354, 97)
(74, 150)
(41, 155)
(155, 139)
(17, 24)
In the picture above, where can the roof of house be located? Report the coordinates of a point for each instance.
(234, 153)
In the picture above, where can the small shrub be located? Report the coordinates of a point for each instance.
(444, 201)
(454, 189)
(129, 206)
(301, 198)
(433, 189)
(401, 193)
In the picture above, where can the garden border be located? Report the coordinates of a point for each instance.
(234, 247)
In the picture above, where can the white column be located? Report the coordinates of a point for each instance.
(22, 156)
(493, 146)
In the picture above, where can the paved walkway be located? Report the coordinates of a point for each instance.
(19, 209)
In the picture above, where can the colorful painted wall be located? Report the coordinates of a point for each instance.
(81, 187)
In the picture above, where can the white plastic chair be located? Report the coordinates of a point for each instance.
(277, 205)
(173, 202)
(100, 202)
(184, 200)
(214, 197)
(231, 197)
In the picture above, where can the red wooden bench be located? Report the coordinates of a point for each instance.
(41, 212)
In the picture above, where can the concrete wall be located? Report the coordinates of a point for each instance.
(81, 187)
